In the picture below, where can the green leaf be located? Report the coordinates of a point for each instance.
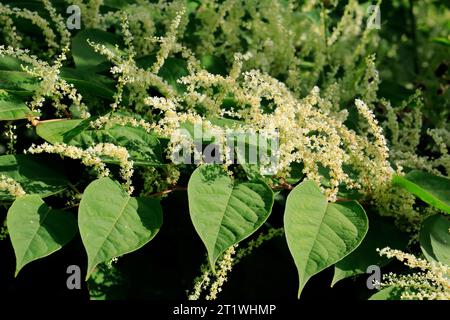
(214, 64)
(388, 293)
(435, 239)
(88, 83)
(144, 148)
(442, 41)
(85, 56)
(319, 233)
(225, 211)
(117, 4)
(39, 175)
(17, 82)
(382, 233)
(36, 230)
(112, 223)
(172, 70)
(54, 131)
(14, 80)
(10, 64)
(12, 108)
(431, 189)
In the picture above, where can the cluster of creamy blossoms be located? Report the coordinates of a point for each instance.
(12, 138)
(92, 157)
(11, 186)
(10, 31)
(35, 19)
(203, 282)
(137, 79)
(51, 84)
(431, 283)
(404, 127)
(256, 243)
(90, 11)
(227, 262)
(307, 134)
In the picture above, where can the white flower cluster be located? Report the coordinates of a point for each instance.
(10, 31)
(405, 130)
(35, 19)
(90, 11)
(128, 73)
(11, 186)
(59, 23)
(167, 43)
(12, 138)
(431, 283)
(50, 85)
(122, 155)
(203, 282)
(256, 243)
(308, 134)
(92, 157)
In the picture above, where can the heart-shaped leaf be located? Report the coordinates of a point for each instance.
(144, 147)
(12, 108)
(40, 175)
(382, 233)
(225, 211)
(319, 233)
(435, 239)
(432, 189)
(36, 230)
(54, 131)
(85, 56)
(112, 223)
(388, 293)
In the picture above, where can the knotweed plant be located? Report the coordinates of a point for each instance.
(286, 117)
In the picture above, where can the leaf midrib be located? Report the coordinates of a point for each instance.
(435, 200)
(109, 232)
(221, 220)
(315, 237)
(40, 225)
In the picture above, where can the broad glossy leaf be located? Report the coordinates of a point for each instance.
(88, 83)
(442, 41)
(382, 233)
(432, 189)
(40, 175)
(214, 64)
(13, 79)
(10, 64)
(435, 239)
(172, 70)
(388, 293)
(12, 108)
(319, 233)
(54, 131)
(144, 148)
(225, 211)
(37, 230)
(17, 82)
(85, 56)
(112, 223)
